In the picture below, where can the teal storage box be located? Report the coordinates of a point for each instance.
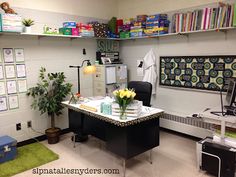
(7, 148)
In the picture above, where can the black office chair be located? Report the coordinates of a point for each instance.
(143, 91)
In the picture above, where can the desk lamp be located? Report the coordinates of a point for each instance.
(89, 69)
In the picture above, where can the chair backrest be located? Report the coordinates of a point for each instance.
(143, 91)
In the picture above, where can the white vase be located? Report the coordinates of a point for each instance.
(27, 29)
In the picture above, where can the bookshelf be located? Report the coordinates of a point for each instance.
(40, 35)
(221, 15)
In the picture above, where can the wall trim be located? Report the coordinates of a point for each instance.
(39, 138)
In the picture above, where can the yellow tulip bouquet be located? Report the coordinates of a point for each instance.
(124, 97)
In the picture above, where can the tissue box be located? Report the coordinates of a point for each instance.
(133, 110)
(69, 25)
(106, 108)
(7, 148)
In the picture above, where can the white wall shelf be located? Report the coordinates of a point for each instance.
(40, 35)
(180, 33)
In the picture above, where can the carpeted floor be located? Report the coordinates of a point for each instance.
(28, 157)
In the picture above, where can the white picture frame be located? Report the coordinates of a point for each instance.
(1, 55)
(22, 86)
(2, 88)
(105, 60)
(19, 54)
(11, 87)
(3, 103)
(20, 70)
(8, 55)
(10, 71)
(13, 102)
(1, 72)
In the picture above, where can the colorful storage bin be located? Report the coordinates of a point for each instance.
(65, 31)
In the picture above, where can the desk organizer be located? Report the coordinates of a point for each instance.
(133, 110)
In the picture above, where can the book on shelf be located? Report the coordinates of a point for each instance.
(204, 19)
(234, 14)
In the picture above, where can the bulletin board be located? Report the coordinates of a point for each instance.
(198, 72)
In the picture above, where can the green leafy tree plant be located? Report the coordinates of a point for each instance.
(48, 94)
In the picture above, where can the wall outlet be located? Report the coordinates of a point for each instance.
(29, 124)
(18, 126)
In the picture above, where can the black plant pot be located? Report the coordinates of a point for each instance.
(53, 135)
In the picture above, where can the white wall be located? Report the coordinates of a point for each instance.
(178, 101)
(132, 8)
(172, 100)
(56, 54)
(104, 9)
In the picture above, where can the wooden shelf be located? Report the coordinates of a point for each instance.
(117, 39)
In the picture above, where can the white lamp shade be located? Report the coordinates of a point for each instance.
(89, 69)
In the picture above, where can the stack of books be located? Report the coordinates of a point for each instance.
(205, 19)
(133, 109)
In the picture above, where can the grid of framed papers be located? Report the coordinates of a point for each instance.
(12, 77)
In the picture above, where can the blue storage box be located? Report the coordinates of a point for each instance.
(7, 148)
(69, 25)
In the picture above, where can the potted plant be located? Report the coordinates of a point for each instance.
(27, 23)
(47, 95)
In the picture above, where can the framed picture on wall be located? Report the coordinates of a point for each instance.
(3, 103)
(2, 88)
(8, 55)
(13, 102)
(1, 72)
(22, 86)
(19, 55)
(1, 56)
(10, 71)
(106, 60)
(20, 70)
(11, 87)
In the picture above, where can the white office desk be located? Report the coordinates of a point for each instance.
(146, 113)
(127, 145)
(126, 138)
(228, 120)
